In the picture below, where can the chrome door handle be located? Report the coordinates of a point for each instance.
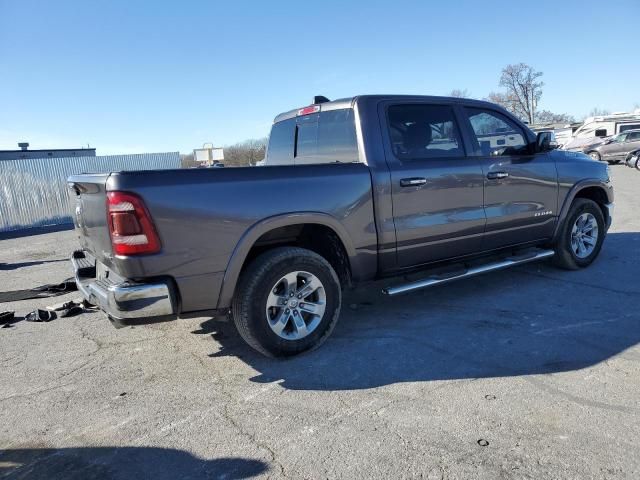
(497, 175)
(413, 182)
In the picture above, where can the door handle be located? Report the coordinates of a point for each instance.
(497, 175)
(413, 182)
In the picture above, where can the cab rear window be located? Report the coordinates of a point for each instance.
(325, 137)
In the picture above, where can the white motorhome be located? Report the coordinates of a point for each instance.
(595, 128)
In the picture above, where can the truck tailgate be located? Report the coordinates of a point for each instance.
(89, 204)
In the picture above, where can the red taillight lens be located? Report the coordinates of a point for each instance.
(125, 223)
(130, 225)
(309, 110)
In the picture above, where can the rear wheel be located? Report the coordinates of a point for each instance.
(581, 235)
(287, 302)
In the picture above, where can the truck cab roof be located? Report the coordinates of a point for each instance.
(349, 102)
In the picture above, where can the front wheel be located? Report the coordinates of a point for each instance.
(581, 236)
(287, 302)
(594, 155)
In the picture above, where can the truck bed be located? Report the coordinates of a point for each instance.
(201, 216)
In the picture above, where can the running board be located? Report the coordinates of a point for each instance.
(469, 272)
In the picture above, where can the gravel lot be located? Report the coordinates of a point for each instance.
(527, 373)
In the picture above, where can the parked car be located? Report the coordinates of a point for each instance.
(599, 127)
(357, 189)
(615, 149)
(633, 159)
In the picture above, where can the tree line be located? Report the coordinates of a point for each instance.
(242, 154)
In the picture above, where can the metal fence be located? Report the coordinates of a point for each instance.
(34, 193)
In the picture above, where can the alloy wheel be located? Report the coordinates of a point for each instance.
(584, 235)
(296, 305)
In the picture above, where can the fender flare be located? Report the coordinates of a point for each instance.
(253, 233)
(571, 195)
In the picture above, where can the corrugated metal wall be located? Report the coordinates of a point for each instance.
(33, 192)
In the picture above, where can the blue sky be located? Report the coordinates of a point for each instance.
(133, 76)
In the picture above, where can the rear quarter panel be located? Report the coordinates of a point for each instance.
(202, 215)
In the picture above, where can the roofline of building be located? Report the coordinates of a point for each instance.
(49, 150)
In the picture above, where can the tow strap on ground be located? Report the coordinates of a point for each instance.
(44, 291)
(40, 315)
(66, 309)
(71, 308)
(6, 318)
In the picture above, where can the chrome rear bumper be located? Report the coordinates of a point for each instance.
(123, 301)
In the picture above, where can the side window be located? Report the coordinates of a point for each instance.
(633, 137)
(424, 131)
(629, 126)
(496, 134)
(327, 137)
(281, 141)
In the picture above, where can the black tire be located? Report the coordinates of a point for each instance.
(595, 155)
(255, 284)
(565, 257)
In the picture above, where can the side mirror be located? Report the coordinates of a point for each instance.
(546, 141)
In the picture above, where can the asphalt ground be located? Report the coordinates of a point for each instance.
(531, 372)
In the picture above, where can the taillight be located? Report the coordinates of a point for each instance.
(132, 231)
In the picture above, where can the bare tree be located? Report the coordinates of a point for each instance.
(596, 112)
(545, 116)
(245, 153)
(187, 160)
(523, 89)
(456, 92)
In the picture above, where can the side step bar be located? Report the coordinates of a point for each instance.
(469, 272)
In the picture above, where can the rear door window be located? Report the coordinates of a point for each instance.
(496, 134)
(421, 131)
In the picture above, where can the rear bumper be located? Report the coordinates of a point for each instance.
(125, 302)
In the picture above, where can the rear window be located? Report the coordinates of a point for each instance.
(325, 137)
(281, 141)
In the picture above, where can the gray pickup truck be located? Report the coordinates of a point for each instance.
(363, 188)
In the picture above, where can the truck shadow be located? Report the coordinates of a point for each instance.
(533, 319)
(112, 463)
(17, 265)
